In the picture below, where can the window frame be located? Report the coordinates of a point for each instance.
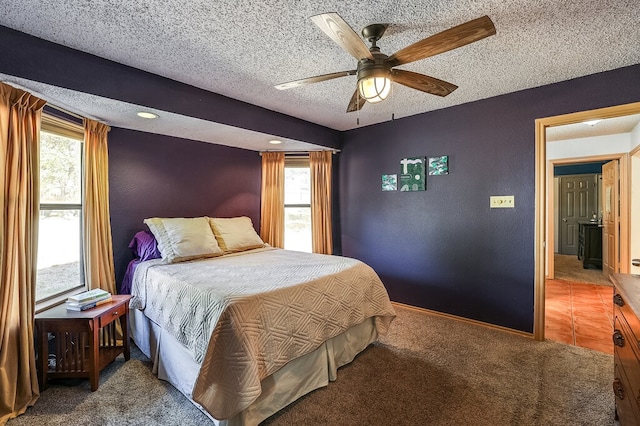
(61, 127)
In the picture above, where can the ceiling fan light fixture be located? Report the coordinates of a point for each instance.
(374, 89)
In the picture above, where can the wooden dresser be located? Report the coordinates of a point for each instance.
(626, 340)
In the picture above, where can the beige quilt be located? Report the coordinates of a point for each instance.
(244, 316)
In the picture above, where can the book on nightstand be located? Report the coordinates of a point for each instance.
(87, 296)
(84, 301)
(89, 305)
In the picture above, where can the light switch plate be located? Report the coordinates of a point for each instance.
(502, 202)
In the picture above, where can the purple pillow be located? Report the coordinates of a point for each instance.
(144, 246)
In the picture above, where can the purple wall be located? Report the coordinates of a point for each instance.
(154, 175)
(444, 249)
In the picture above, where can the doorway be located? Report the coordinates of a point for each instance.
(544, 228)
(576, 290)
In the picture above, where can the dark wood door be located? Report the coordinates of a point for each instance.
(578, 202)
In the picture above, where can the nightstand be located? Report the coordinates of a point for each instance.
(83, 343)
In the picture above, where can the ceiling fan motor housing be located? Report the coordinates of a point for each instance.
(373, 68)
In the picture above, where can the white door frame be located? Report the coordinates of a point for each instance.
(544, 212)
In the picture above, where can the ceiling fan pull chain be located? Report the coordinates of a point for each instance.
(358, 110)
(393, 101)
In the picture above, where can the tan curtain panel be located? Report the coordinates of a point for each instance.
(272, 202)
(321, 230)
(20, 114)
(98, 248)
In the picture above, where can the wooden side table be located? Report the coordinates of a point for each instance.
(84, 342)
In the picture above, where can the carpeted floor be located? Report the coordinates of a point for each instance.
(569, 268)
(429, 370)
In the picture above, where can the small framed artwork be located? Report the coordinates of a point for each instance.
(439, 165)
(389, 182)
(412, 174)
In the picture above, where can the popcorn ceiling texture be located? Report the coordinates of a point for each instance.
(242, 48)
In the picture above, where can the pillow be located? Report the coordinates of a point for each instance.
(235, 234)
(181, 239)
(145, 246)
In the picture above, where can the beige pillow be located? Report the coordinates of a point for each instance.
(181, 239)
(235, 234)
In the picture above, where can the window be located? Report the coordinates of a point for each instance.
(297, 204)
(60, 263)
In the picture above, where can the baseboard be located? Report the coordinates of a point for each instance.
(466, 320)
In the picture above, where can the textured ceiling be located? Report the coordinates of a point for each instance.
(610, 126)
(242, 48)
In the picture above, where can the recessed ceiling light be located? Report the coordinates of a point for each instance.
(591, 122)
(145, 114)
(275, 142)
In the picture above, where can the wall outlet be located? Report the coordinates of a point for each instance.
(502, 202)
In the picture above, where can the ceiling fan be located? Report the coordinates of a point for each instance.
(375, 70)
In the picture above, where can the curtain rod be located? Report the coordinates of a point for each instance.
(73, 114)
(333, 151)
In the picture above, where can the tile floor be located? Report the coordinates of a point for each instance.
(579, 314)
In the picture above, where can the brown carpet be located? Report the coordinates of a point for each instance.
(567, 267)
(428, 370)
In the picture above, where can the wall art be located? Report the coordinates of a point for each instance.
(439, 165)
(412, 174)
(389, 182)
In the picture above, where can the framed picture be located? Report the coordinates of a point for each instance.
(389, 182)
(412, 174)
(439, 165)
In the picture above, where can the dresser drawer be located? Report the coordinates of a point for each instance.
(625, 346)
(622, 307)
(112, 314)
(626, 407)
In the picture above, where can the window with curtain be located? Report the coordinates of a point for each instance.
(60, 262)
(297, 204)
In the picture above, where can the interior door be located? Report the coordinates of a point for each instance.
(635, 212)
(610, 217)
(578, 203)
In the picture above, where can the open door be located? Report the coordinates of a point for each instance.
(610, 217)
(635, 211)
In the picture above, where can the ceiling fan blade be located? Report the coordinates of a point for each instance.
(340, 32)
(356, 103)
(315, 79)
(444, 41)
(423, 82)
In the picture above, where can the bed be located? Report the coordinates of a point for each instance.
(247, 330)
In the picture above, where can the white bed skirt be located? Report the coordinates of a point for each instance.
(173, 362)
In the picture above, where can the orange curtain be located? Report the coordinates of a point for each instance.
(20, 114)
(272, 204)
(321, 230)
(98, 248)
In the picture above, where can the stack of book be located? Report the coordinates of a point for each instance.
(88, 299)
